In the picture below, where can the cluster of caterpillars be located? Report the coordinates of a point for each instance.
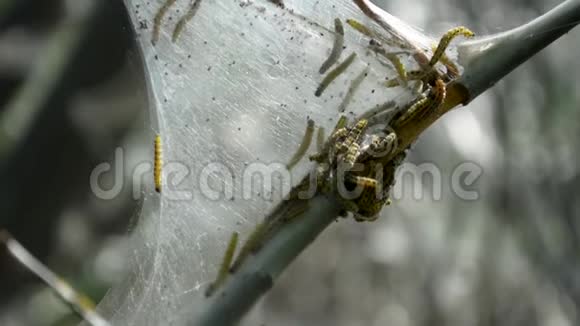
(350, 144)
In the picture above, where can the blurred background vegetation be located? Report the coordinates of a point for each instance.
(71, 91)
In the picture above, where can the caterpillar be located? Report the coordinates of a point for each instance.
(158, 19)
(187, 17)
(157, 163)
(331, 76)
(320, 139)
(354, 85)
(306, 140)
(225, 266)
(446, 39)
(336, 47)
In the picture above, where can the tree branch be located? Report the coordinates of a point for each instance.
(257, 273)
(487, 60)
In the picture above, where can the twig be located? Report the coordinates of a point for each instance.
(80, 303)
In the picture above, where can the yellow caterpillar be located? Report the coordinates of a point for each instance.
(157, 163)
